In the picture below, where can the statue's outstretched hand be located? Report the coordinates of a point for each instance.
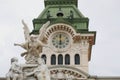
(16, 44)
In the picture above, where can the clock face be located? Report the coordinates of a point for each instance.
(60, 40)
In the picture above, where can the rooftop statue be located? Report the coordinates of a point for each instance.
(33, 43)
(41, 72)
(38, 71)
(15, 72)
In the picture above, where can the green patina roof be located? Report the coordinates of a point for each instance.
(70, 15)
(61, 2)
(53, 10)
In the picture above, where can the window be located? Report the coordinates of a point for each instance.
(53, 59)
(77, 59)
(60, 59)
(67, 59)
(44, 57)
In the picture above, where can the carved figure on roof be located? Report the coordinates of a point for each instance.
(33, 43)
(15, 71)
(41, 72)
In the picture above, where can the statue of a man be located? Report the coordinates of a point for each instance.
(33, 43)
(41, 72)
(15, 72)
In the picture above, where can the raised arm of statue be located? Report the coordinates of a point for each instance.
(16, 44)
(23, 45)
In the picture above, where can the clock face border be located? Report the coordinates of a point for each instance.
(57, 35)
(60, 40)
(60, 27)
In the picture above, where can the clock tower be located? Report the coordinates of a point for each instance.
(68, 37)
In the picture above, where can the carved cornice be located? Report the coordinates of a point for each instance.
(67, 70)
(78, 38)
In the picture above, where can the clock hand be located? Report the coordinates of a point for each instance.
(60, 42)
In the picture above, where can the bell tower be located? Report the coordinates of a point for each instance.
(69, 39)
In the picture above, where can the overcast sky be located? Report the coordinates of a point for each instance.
(104, 18)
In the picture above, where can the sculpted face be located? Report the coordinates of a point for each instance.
(33, 38)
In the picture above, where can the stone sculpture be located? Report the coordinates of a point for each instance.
(15, 72)
(33, 43)
(35, 66)
(41, 71)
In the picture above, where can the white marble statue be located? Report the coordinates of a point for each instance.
(15, 72)
(33, 43)
(41, 72)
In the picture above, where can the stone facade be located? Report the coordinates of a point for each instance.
(76, 47)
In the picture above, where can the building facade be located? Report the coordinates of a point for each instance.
(69, 39)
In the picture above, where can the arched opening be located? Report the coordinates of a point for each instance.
(67, 59)
(53, 59)
(77, 59)
(60, 59)
(44, 57)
